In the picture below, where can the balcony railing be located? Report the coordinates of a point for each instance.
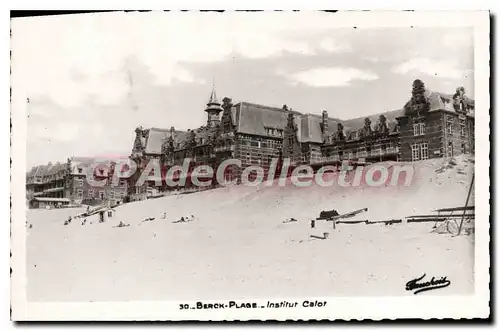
(53, 189)
(392, 150)
(359, 155)
(362, 154)
(330, 158)
(229, 148)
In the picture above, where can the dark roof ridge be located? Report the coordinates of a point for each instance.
(268, 107)
(320, 116)
(159, 129)
(373, 115)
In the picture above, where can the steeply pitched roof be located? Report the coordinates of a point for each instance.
(32, 172)
(157, 136)
(310, 128)
(55, 168)
(154, 139)
(46, 169)
(253, 118)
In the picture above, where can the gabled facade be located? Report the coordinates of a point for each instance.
(436, 124)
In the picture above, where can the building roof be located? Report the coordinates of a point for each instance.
(310, 129)
(253, 119)
(46, 169)
(154, 139)
(156, 136)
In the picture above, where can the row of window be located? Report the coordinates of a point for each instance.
(102, 194)
(449, 128)
(274, 132)
(79, 182)
(368, 148)
(419, 128)
(262, 144)
(419, 151)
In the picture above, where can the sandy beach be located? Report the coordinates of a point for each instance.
(238, 246)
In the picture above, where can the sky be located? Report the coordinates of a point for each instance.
(93, 78)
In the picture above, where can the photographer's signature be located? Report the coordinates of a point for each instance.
(432, 284)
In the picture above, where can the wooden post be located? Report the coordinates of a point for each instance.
(466, 203)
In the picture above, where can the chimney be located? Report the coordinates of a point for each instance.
(324, 125)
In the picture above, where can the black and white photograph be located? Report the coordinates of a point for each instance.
(250, 165)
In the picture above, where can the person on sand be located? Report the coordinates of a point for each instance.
(121, 224)
(164, 216)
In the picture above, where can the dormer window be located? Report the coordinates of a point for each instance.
(273, 132)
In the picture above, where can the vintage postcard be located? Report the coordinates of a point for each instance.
(250, 166)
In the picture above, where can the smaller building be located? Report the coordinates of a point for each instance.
(69, 184)
(46, 181)
(106, 215)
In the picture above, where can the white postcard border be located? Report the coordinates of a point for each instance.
(376, 308)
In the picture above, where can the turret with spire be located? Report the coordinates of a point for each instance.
(213, 109)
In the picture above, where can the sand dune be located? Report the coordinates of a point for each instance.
(239, 247)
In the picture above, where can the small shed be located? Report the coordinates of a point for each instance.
(106, 214)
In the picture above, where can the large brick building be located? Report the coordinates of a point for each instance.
(430, 125)
(63, 184)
